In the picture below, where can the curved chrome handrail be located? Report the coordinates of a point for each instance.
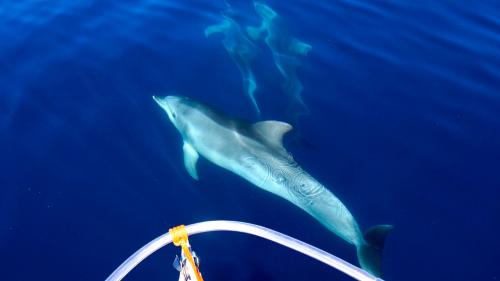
(266, 233)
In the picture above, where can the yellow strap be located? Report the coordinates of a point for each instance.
(180, 238)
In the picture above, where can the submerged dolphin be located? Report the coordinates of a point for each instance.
(256, 153)
(286, 49)
(241, 50)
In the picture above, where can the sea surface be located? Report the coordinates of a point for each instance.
(403, 125)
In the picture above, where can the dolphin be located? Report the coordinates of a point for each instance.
(287, 50)
(241, 50)
(255, 152)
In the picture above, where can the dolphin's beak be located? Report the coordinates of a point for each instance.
(163, 103)
(157, 100)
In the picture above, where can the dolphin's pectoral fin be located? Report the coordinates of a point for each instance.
(190, 158)
(272, 131)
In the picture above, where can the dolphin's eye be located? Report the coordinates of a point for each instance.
(174, 115)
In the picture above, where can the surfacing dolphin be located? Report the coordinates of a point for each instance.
(256, 153)
(287, 50)
(241, 50)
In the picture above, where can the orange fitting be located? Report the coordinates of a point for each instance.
(180, 238)
(179, 235)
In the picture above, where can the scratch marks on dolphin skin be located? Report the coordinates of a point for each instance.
(249, 162)
(253, 163)
(287, 51)
(305, 190)
(241, 50)
(287, 175)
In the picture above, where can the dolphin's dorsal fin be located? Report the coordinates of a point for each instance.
(190, 158)
(272, 131)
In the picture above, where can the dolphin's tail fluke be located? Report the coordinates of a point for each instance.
(370, 252)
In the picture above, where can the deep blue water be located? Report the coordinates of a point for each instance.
(403, 125)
